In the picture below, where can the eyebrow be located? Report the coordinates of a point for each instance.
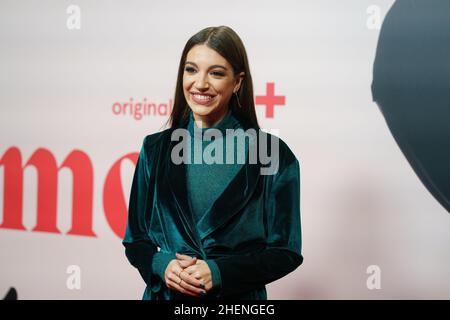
(211, 67)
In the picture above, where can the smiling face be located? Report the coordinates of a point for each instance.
(208, 84)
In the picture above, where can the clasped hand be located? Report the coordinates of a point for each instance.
(188, 275)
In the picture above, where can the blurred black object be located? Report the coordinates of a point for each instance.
(411, 85)
(11, 295)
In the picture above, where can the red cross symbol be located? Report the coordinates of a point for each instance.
(270, 100)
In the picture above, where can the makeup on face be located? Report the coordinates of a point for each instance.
(208, 83)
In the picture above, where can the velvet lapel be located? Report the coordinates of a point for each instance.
(176, 179)
(230, 202)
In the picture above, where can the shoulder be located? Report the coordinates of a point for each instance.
(154, 142)
(154, 139)
(279, 150)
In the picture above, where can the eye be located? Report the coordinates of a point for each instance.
(217, 73)
(214, 73)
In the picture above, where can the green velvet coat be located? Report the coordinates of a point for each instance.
(252, 231)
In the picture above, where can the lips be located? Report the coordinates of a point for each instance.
(201, 98)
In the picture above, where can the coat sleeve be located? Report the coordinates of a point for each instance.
(282, 254)
(139, 248)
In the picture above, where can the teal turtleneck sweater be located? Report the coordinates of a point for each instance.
(206, 180)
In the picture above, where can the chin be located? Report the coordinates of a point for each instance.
(202, 110)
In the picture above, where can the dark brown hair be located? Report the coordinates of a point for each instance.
(227, 43)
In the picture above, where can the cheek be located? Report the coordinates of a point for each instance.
(188, 80)
(185, 90)
(225, 89)
(185, 83)
(225, 94)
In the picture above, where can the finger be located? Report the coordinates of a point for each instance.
(176, 286)
(191, 280)
(187, 263)
(175, 282)
(183, 256)
(177, 278)
(176, 270)
(190, 287)
(173, 277)
(192, 269)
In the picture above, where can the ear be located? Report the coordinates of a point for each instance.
(239, 79)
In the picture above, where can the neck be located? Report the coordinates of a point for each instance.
(209, 120)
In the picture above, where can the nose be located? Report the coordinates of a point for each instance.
(201, 82)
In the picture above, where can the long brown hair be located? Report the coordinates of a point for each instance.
(227, 43)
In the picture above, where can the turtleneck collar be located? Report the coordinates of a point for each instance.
(227, 122)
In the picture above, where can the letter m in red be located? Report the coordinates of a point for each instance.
(47, 179)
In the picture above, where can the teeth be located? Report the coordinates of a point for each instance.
(201, 97)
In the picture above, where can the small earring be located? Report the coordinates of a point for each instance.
(237, 98)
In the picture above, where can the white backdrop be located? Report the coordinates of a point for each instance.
(62, 87)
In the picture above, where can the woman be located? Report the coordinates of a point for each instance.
(224, 228)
